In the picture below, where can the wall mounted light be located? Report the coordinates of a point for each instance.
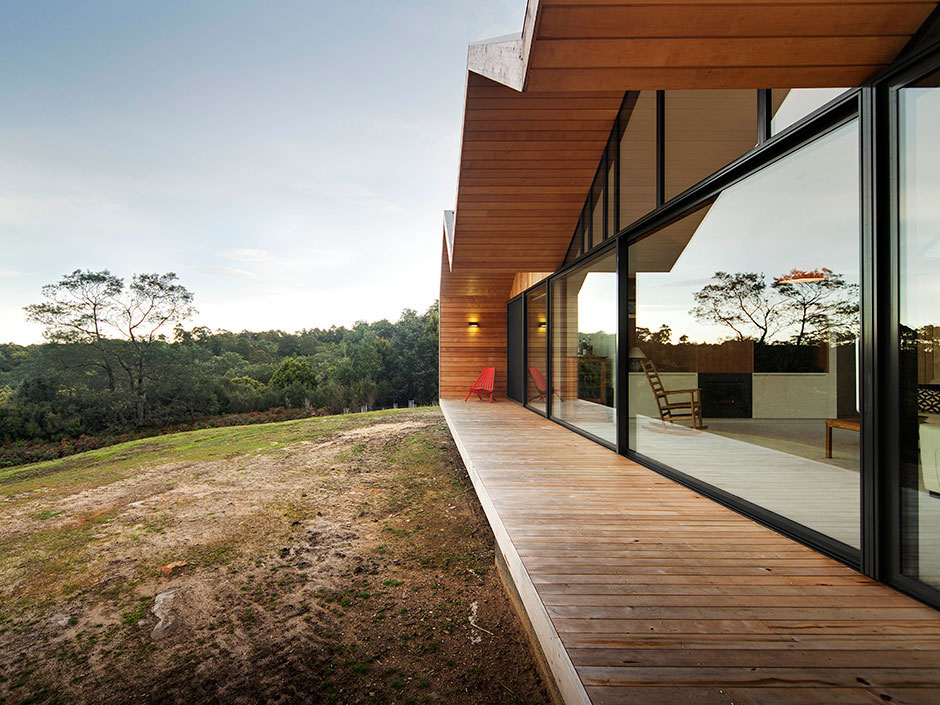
(542, 324)
(473, 324)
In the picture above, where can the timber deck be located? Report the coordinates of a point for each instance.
(640, 590)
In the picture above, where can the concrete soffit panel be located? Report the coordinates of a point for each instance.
(449, 220)
(506, 59)
(499, 60)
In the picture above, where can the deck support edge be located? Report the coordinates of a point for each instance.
(565, 676)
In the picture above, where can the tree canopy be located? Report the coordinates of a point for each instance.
(119, 357)
(803, 308)
(119, 323)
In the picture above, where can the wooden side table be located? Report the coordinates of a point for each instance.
(847, 424)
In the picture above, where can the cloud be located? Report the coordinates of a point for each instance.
(248, 255)
(231, 272)
(9, 273)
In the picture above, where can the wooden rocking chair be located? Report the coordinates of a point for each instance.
(484, 384)
(688, 409)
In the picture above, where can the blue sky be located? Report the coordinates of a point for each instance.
(289, 160)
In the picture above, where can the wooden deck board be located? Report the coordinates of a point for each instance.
(642, 591)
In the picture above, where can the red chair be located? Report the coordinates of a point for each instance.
(484, 384)
(541, 385)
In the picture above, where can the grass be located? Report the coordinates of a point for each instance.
(375, 624)
(105, 465)
(132, 616)
(48, 514)
(56, 557)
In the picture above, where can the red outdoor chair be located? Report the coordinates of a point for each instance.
(541, 385)
(484, 384)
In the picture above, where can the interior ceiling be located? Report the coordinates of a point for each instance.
(528, 158)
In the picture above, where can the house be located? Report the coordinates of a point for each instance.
(700, 242)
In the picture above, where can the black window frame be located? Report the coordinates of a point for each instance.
(875, 105)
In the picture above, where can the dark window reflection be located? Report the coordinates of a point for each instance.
(537, 343)
(743, 332)
(919, 133)
(637, 156)
(705, 130)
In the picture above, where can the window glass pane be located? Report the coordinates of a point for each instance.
(597, 209)
(791, 105)
(537, 353)
(743, 334)
(705, 130)
(637, 157)
(611, 198)
(584, 347)
(574, 249)
(515, 354)
(919, 132)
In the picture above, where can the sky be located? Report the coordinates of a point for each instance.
(290, 161)
(801, 212)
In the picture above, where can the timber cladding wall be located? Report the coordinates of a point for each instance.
(465, 351)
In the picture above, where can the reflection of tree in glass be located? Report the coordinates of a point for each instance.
(740, 302)
(663, 335)
(821, 310)
(813, 310)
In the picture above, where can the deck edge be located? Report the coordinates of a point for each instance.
(565, 676)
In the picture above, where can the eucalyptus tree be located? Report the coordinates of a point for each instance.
(122, 323)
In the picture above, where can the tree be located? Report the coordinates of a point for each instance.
(812, 307)
(120, 323)
(662, 336)
(293, 371)
(821, 306)
(740, 302)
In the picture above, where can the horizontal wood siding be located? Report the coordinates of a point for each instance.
(526, 280)
(464, 350)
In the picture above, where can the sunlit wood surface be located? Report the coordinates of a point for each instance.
(643, 591)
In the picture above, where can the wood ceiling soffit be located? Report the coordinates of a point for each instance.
(527, 162)
(592, 45)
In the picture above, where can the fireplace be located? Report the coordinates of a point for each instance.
(726, 395)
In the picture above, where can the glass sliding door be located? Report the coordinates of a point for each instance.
(537, 348)
(919, 322)
(584, 347)
(743, 330)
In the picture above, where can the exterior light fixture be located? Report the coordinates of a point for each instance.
(798, 276)
(635, 355)
(473, 324)
(542, 324)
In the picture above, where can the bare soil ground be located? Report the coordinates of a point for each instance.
(336, 560)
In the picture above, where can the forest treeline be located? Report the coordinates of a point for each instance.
(87, 387)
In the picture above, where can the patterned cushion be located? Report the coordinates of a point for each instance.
(928, 400)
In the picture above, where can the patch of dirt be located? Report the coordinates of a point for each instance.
(357, 569)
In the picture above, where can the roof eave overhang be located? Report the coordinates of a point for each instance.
(571, 61)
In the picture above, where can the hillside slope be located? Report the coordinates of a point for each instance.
(338, 559)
